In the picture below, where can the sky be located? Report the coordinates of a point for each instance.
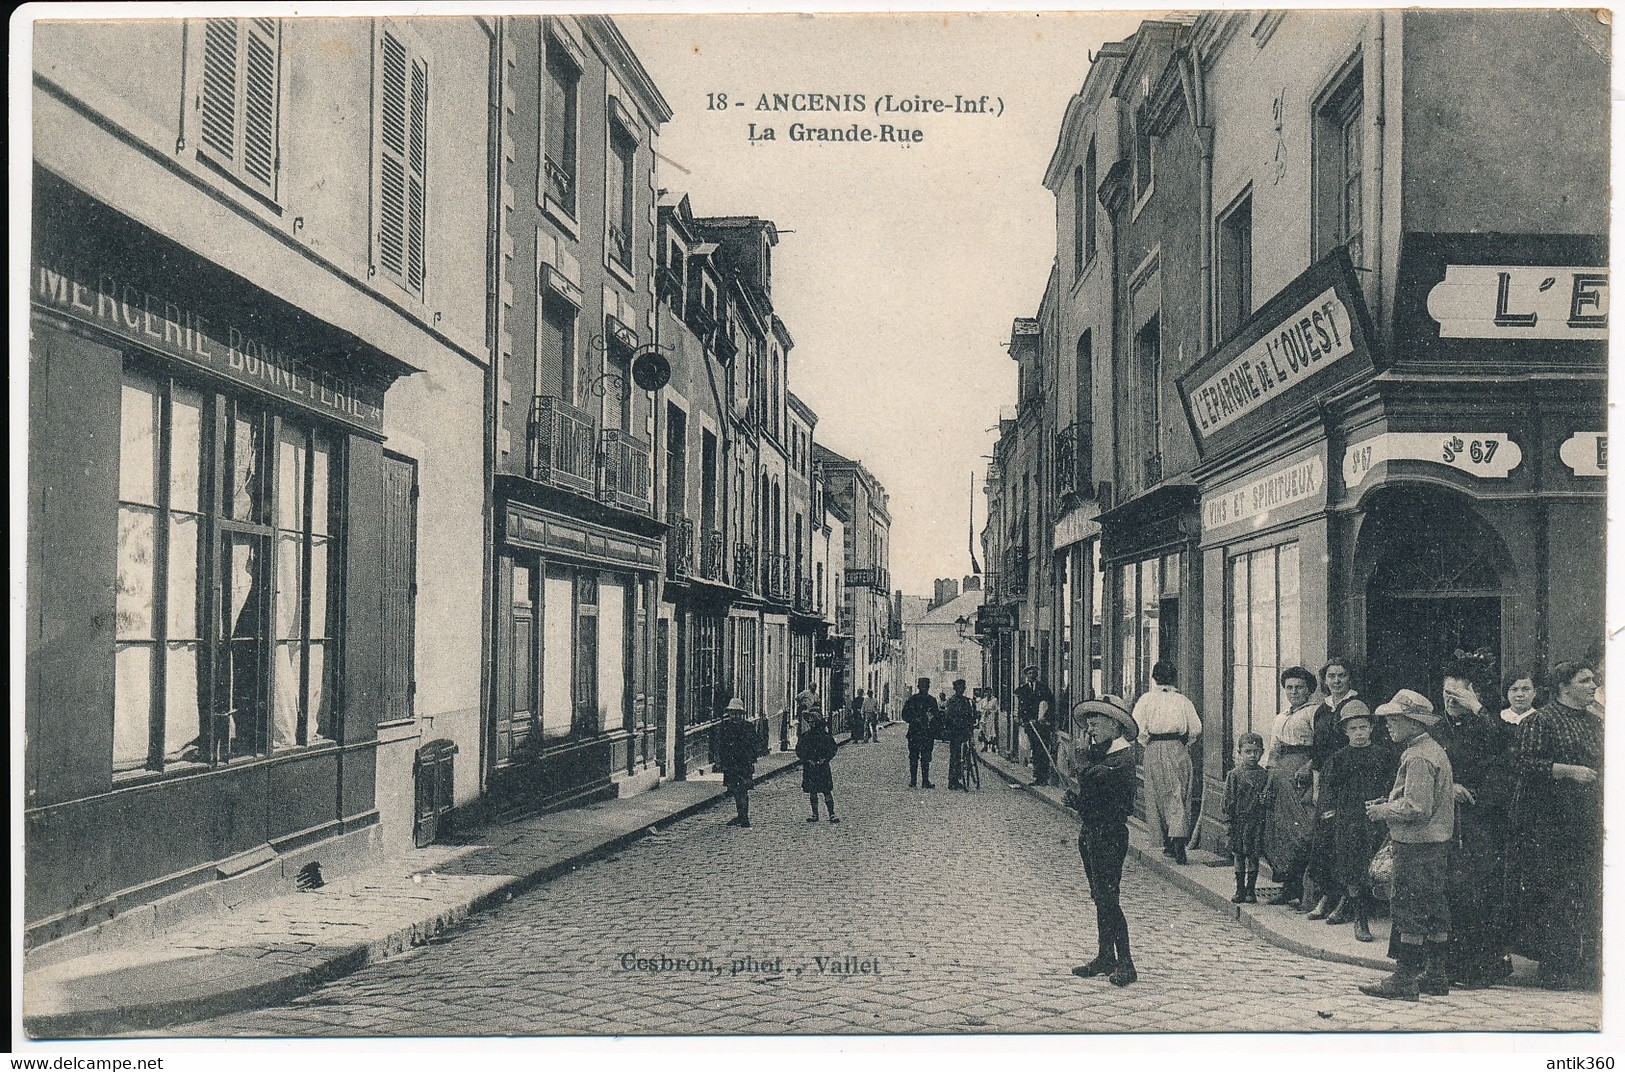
(900, 266)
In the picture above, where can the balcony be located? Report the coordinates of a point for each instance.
(620, 246)
(623, 471)
(1013, 577)
(682, 547)
(561, 184)
(563, 449)
(713, 557)
(804, 596)
(724, 345)
(776, 577)
(744, 576)
(1073, 469)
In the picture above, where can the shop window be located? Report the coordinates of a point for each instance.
(238, 99)
(1262, 603)
(1147, 608)
(613, 666)
(561, 76)
(1235, 266)
(261, 680)
(558, 617)
(1339, 157)
(402, 163)
(620, 193)
(397, 583)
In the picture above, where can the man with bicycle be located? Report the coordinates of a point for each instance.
(958, 721)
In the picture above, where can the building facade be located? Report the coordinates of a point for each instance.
(1333, 410)
(859, 501)
(258, 369)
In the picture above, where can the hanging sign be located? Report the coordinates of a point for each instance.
(1495, 301)
(1482, 454)
(1586, 453)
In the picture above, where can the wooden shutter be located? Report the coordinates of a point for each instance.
(259, 80)
(403, 161)
(398, 586)
(238, 100)
(218, 99)
(393, 64)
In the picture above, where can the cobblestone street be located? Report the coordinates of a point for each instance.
(966, 909)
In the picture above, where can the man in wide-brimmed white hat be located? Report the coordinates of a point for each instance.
(1103, 801)
(1421, 815)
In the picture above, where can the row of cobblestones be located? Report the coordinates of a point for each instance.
(967, 909)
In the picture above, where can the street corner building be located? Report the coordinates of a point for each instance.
(401, 458)
(1320, 368)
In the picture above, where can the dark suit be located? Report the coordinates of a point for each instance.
(920, 711)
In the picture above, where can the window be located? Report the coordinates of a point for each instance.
(1079, 205)
(1339, 169)
(401, 168)
(1235, 266)
(238, 100)
(257, 618)
(556, 342)
(619, 193)
(561, 79)
(1144, 153)
(1147, 609)
(1262, 604)
(1086, 203)
(1148, 358)
(950, 659)
(397, 577)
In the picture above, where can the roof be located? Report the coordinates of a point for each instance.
(961, 606)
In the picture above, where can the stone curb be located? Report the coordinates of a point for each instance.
(283, 984)
(1248, 916)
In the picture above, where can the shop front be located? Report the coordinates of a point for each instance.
(572, 720)
(206, 664)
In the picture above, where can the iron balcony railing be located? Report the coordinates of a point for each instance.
(1013, 578)
(682, 547)
(713, 556)
(623, 471)
(776, 577)
(563, 449)
(744, 576)
(804, 595)
(561, 185)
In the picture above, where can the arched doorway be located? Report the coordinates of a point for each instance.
(1435, 574)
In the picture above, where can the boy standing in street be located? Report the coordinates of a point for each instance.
(1103, 800)
(1421, 815)
(736, 756)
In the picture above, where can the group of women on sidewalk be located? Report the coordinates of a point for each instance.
(1525, 855)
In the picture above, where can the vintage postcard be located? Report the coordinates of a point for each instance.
(554, 522)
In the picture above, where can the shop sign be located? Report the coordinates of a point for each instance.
(1502, 302)
(201, 338)
(1310, 336)
(1495, 301)
(1483, 454)
(1267, 499)
(1586, 453)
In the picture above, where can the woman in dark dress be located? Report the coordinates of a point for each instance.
(1557, 833)
(1479, 745)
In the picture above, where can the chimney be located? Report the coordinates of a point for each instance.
(972, 583)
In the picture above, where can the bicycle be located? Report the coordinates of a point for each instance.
(972, 770)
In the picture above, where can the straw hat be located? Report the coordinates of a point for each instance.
(1112, 708)
(1412, 705)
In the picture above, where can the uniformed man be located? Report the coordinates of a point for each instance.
(921, 713)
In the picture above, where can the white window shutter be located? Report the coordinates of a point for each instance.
(392, 155)
(417, 176)
(260, 100)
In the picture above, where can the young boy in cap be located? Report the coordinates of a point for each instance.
(736, 755)
(1421, 815)
(1104, 798)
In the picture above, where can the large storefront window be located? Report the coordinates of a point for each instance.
(1262, 599)
(1147, 606)
(267, 685)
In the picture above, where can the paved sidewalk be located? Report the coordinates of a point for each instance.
(1211, 879)
(272, 950)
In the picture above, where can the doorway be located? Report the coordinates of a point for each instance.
(1410, 639)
